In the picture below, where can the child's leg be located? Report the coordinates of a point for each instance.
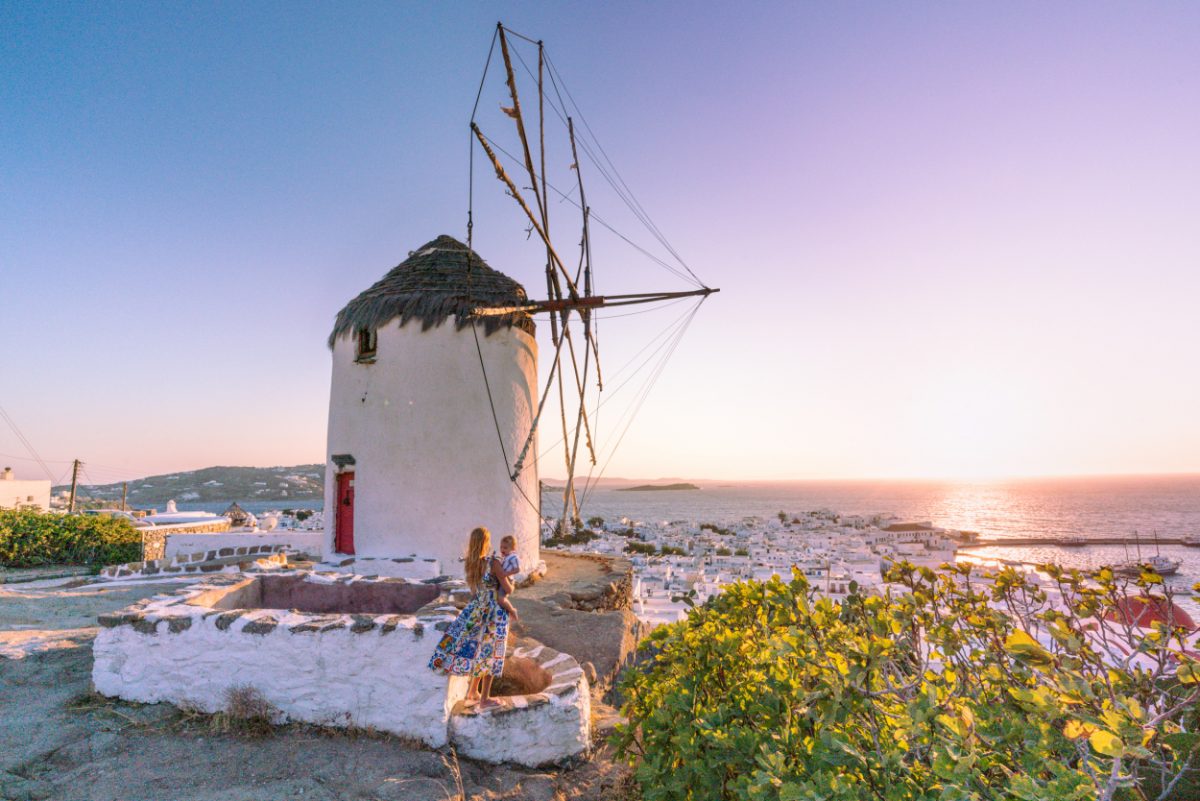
(507, 606)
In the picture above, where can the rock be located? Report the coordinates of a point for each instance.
(589, 670)
(539, 787)
(19, 789)
(413, 788)
(605, 639)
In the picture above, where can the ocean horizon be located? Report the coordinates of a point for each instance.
(1084, 506)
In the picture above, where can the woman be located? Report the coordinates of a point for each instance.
(474, 643)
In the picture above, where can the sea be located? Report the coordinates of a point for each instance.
(1165, 506)
(1111, 506)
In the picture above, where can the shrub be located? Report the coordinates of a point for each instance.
(579, 537)
(671, 550)
(951, 688)
(29, 538)
(640, 547)
(715, 529)
(724, 552)
(741, 552)
(595, 522)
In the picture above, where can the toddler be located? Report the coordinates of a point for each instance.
(509, 567)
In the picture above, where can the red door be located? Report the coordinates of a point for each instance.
(343, 530)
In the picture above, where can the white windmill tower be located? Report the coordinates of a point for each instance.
(437, 362)
(412, 464)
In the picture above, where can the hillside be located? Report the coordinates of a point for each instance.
(299, 482)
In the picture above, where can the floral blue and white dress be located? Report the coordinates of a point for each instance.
(474, 643)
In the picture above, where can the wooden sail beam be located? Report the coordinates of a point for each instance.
(515, 113)
(593, 302)
(512, 189)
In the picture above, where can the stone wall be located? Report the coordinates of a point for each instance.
(154, 540)
(337, 669)
(188, 542)
(214, 561)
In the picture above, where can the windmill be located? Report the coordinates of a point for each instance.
(570, 301)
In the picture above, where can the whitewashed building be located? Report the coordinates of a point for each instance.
(23, 493)
(414, 458)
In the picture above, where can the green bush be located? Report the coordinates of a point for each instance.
(640, 547)
(30, 539)
(937, 691)
(579, 537)
(671, 550)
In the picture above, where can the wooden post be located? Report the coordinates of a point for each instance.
(124, 495)
(74, 485)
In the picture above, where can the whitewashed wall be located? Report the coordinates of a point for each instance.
(338, 678)
(310, 542)
(15, 492)
(428, 463)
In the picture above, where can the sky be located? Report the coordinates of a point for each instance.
(952, 240)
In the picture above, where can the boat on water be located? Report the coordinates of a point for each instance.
(1073, 541)
(1162, 565)
(1192, 540)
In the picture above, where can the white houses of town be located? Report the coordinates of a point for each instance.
(23, 493)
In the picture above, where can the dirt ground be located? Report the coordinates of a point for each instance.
(58, 740)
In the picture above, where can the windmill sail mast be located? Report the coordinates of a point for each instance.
(559, 303)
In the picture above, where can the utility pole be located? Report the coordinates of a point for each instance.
(124, 494)
(74, 485)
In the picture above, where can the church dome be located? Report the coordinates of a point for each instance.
(441, 279)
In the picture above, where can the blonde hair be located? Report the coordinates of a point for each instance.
(508, 539)
(478, 550)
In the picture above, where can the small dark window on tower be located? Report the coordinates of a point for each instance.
(365, 345)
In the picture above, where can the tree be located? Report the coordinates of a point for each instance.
(949, 687)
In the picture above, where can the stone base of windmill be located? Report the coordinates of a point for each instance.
(342, 650)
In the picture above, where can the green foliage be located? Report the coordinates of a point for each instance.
(30, 538)
(951, 688)
(640, 547)
(741, 552)
(724, 552)
(577, 537)
(715, 529)
(671, 550)
(595, 522)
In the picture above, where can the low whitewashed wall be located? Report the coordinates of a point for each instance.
(309, 542)
(534, 729)
(408, 567)
(340, 670)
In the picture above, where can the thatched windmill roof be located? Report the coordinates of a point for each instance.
(431, 285)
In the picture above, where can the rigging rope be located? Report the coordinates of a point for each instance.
(613, 392)
(589, 487)
(28, 445)
(594, 216)
(674, 332)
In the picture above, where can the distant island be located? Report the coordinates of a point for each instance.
(658, 488)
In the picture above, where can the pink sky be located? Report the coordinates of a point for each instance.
(952, 241)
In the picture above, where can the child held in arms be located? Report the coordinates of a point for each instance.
(510, 566)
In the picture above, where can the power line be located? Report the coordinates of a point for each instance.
(28, 445)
